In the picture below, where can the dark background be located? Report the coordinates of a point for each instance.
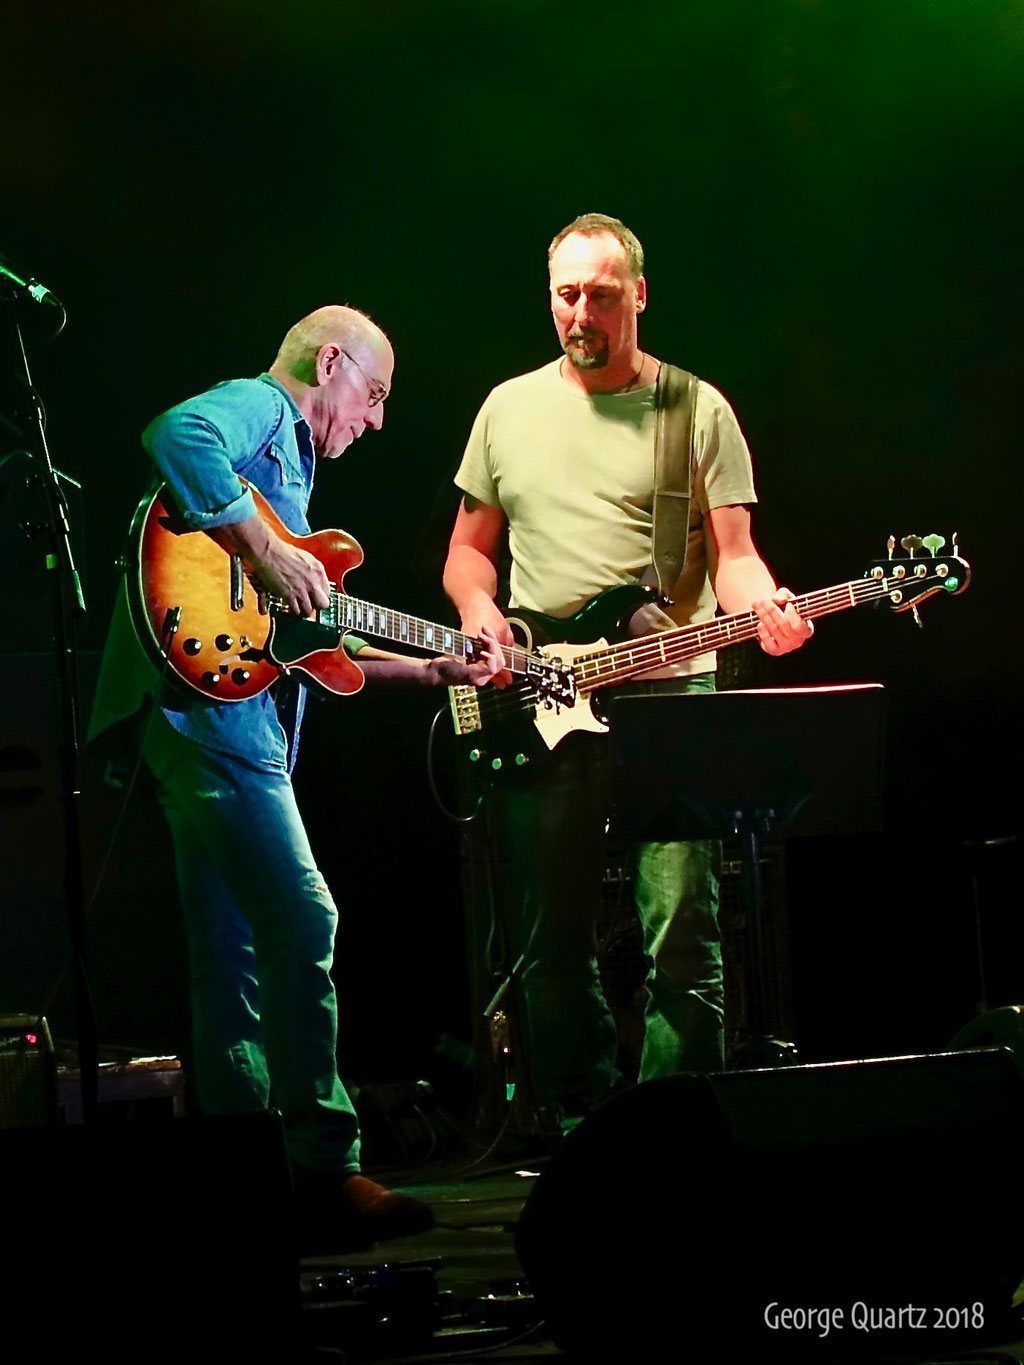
(827, 195)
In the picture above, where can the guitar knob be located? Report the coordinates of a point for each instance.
(192, 645)
(521, 760)
(240, 676)
(475, 755)
(224, 643)
(496, 764)
(210, 679)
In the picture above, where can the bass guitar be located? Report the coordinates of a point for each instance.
(514, 728)
(195, 610)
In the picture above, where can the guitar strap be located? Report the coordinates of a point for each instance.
(674, 400)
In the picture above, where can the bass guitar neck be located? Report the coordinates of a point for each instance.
(514, 729)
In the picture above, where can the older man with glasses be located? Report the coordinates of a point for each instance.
(259, 918)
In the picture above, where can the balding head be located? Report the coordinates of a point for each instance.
(337, 364)
(346, 328)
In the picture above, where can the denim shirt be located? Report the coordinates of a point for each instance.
(247, 427)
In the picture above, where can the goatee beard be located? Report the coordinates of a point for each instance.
(585, 360)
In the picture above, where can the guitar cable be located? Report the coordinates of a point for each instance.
(439, 801)
(484, 903)
(510, 984)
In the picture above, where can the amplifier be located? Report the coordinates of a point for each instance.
(28, 1072)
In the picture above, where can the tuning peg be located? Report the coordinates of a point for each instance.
(933, 544)
(917, 619)
(956, 543)
(890, 545)
(911, 543)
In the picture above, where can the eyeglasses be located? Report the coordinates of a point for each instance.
(377, 390)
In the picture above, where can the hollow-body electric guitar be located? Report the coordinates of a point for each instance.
(514, 728)
(194, 608)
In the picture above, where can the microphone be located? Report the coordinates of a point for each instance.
(36, 291)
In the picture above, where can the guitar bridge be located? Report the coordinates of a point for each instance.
(465, 705)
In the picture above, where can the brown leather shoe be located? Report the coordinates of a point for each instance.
(351, 1213)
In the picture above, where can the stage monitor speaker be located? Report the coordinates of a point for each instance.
(791, 1213)
(149, 1241)
(1002, 1027)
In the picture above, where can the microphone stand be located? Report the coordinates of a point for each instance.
(68, 605)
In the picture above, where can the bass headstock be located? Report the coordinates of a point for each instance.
(921, 572)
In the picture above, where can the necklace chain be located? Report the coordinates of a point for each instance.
(633, 382)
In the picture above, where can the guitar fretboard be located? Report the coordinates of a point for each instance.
(366, 618)
(605, 667)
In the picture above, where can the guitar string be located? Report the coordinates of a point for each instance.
(517, 658)
(625, 660)
(604, 667)
(420, 633)
(629, 658)
(691, 640)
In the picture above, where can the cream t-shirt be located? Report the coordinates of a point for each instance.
(574, 474)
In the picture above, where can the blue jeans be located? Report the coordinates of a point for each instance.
(260, 925)
(551, 830)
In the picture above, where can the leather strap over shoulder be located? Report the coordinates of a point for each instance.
(675, 401)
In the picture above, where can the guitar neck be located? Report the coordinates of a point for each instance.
(366, 618)
(618, 663)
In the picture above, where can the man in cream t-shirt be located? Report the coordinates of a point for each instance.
(561, 460)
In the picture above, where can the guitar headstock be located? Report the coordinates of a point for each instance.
(921, 572)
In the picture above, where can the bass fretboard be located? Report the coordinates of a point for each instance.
(615, 664)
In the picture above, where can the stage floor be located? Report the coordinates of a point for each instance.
(459, 1294)
(458, 1288)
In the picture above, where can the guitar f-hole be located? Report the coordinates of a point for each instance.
(237, 583)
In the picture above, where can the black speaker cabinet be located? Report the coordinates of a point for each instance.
(28, 1072)
(859, 1210)
(149, 1241)
(139, 994)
